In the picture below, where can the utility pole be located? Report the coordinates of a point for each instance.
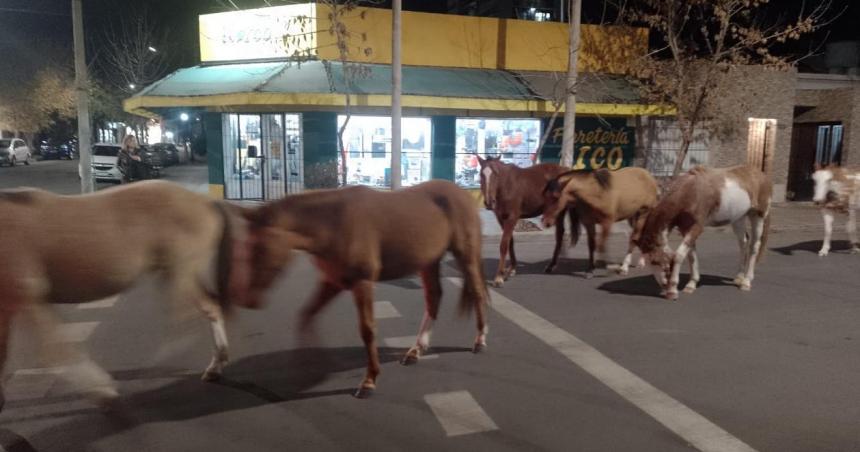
(81, 88)
(570, 101)
(396, 80)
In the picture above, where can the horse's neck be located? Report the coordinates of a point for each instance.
(309, 219)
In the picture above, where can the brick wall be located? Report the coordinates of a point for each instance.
(836, 105)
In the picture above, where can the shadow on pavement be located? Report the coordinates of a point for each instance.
(249, 382)
(812, 246)
(645, 285)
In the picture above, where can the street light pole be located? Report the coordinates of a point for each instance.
(396, 80)
(81, 88)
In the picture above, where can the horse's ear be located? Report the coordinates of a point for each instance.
(481, 161)
(603, 176)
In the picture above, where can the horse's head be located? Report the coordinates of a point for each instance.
(558, 194)
(825, 182)
(490, 170)
(655, 249)
(269, 247)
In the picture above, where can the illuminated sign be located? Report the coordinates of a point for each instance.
(606, 143)
(275, 32)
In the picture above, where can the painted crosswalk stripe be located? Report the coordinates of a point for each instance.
(100, 304)
(459, 413)
(686, 423)
(385, 310)
(26, 384)
(75, 332)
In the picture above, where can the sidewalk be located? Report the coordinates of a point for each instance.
(796, 216)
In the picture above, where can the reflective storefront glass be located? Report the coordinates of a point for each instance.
(514, 140)
(367, 142)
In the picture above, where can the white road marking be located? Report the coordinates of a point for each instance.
(39, 371)
(686, 423)
(459, 413)
(75, 332)
(385, 310)
(26, 386)
(105, 303)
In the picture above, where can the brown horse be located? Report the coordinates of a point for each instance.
(602, 197)
(75, 249)
(705, 197)
(512, 193)
(357, 236)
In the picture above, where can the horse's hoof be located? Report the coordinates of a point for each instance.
(738, 281)
(623, 271)
(672, 296)
(211, 376)
(510, 272)
(478, 348)
(746, 286)
(363, 393)
(589, 275)
(823, 253)
(855, 250)
(409, 359)
(498, 282)
(689, 289)
(549, 269)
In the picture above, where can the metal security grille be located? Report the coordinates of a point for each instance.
(262, 156)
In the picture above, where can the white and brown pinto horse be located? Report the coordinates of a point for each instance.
(602, 197)
(513, 193)
(75, 249)
(837, 190)
(357, 236)
(705, 197)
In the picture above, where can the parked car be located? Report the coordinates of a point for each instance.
(51, 151)
(169, 153)
(151, 159)
(14, 150)
(105, 161)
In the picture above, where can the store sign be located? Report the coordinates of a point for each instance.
(606, 143)
(275, 32)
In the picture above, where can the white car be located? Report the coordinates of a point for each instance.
(14, 150)
(105, 162)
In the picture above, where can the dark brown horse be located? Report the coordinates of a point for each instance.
(357, 236)
(513, 193)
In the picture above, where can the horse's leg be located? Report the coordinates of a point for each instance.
(740, 229)
(628, 258)
(693, 283)
(512, 263)
(559, 239)
(432, 296)
(325, 293)
(605, 231)
(504, 245)
(828, 230)
(77, 366)
(591, 233)
(681, 253)
(363, 295)
(757, 227)
(851, 228)
(219, 335)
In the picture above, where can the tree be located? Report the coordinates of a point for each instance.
(135, 54)
(570, 101)
(703, 41)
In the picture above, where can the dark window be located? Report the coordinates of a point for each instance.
(106, 151)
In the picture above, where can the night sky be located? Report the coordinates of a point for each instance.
(38, 30)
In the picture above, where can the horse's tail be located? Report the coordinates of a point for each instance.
(762, 250)
(574, 226)
(476, 294)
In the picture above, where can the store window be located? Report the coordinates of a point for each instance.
(262, 156)
(367, 141)
(514, 140)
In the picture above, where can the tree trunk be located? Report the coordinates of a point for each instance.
(570, 101)
(547, 132)
(81, 86)
(686, 139)
(341, 148)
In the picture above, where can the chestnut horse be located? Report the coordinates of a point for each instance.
(602, 197)
(358, 235)
(513, 193)
(705, 197)
(837, 190)
(75, 249)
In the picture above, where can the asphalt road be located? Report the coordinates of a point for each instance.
(572, 364)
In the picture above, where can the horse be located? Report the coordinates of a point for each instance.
(837, 189)
(708, 197)
(512, 193)
(601, 197)
(357, 236)
(76, 249)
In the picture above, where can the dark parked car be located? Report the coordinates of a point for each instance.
(169, 153)
(59, 151)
